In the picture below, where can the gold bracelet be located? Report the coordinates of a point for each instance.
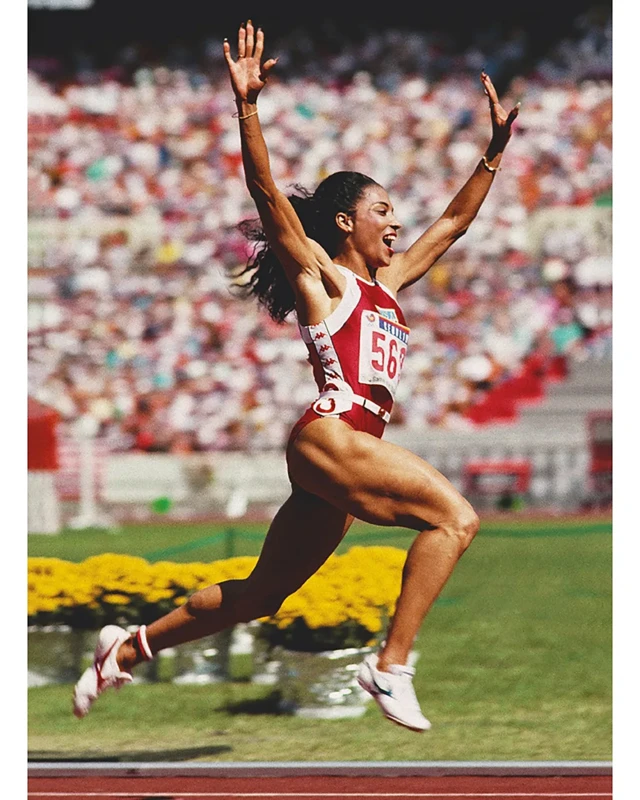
(246, 116)
(485, 164)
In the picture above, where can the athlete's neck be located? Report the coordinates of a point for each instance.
(356, 263)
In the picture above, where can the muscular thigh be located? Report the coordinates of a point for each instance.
(373, 480)
(304, 533)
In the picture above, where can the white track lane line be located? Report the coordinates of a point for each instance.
(181, 795)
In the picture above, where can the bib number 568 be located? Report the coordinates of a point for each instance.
(386, 355)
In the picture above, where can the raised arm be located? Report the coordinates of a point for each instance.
(298, 255)
(408, 267)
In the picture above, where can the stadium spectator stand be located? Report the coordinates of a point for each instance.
(136, 189)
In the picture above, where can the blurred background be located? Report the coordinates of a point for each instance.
(135, 191)
(160, 402)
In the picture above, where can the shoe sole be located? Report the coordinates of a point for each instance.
(79, 711)
(388, 716)
(98, 663)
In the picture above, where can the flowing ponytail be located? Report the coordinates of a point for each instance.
(264, 275)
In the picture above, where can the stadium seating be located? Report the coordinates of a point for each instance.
(136, 189)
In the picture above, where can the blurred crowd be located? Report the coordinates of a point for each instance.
(136, 189)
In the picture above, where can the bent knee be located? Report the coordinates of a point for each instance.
(467, 524)
(471, 526)
(205, 601)
(261, 602)
(270, 605)
(239, 598)
(462, 524)
(256, 607)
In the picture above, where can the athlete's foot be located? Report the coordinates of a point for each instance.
(104, 673)
(393, 691)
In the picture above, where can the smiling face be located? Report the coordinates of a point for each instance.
(373, 227)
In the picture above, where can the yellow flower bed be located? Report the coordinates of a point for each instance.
(345, 604)
(354, 586)
(354, 592)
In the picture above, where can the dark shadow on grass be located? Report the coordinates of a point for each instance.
(183, 754)
(262, 705)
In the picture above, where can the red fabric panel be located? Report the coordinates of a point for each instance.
(42, 443)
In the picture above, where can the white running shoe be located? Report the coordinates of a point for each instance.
(393, 692)
(104, 673)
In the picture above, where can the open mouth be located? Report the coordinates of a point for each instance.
(389, 240)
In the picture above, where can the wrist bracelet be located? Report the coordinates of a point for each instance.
(246, 116)
(485, 164)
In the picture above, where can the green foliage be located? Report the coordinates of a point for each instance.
(299, 636)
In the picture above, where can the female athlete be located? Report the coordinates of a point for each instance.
(330, 257)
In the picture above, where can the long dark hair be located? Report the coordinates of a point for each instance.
(317, 212)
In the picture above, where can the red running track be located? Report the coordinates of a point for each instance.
(586, 787)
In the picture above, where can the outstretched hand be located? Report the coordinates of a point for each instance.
(501, 122)
(248, 75)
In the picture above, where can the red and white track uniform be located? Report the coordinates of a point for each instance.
(357, 355)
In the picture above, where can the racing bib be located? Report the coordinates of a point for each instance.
(383, 347)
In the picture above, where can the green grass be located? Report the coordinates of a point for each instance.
(515, 664)
(186, 542)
